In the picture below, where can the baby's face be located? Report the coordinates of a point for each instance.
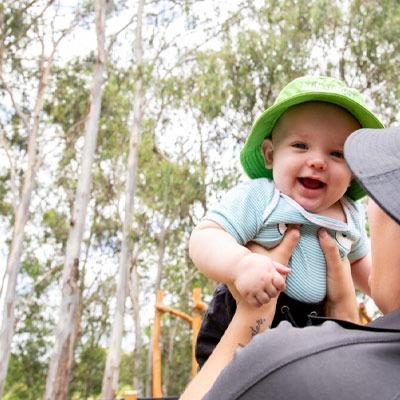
(306, 154)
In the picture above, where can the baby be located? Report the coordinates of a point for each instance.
(294, 155)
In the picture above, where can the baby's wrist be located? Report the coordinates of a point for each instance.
(241, 266)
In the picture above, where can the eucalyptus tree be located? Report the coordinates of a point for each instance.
(58, 375)
(110, 378)
(101, 242)
(24, 35)
(162, 37)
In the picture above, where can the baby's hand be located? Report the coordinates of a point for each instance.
(259, 279)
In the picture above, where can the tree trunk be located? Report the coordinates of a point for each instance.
(13, 267)
(21, 218)
(111, 372)
(58, 375)
(134, 295)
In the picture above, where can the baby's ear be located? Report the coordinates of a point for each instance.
(268, 152)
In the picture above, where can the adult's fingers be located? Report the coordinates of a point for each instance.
(284, 250)
(338, 271)
(329, 248)
(341, 299)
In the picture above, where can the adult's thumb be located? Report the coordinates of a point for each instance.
(284, 250)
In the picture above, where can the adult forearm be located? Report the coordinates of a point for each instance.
(246, 323)
(345, 309)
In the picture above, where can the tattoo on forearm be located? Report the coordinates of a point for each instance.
(256, 329)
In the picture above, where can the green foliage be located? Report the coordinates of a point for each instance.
(56, 225)
(374, 55)
(130, 368)
(89, 364)
(263, 56)
(5, 205)
(28, 363)
(206, 84)
(17, 20)
(114, 124)
(213, 96)
(67, 104)
(170, 187)
(32, 267)
(22, 385)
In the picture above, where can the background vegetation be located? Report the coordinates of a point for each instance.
(189, 77)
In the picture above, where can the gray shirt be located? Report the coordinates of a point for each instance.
(332, 360)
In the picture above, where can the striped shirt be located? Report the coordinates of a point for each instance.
(256, 211)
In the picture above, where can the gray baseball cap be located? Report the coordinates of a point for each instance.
(373, 156)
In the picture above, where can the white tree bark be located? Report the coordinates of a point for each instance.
(58, 375)
(14, 259)
(22, 209)
(111, 371)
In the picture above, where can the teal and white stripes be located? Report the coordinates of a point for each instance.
(256, 211)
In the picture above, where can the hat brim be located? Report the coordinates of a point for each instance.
(251, 156)
(373, 156)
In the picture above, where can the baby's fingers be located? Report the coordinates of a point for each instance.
(282, 269)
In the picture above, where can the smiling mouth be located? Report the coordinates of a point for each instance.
(312, 184)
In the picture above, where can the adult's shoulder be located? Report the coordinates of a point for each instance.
(312, 363)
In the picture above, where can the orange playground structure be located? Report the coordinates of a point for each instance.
(198, 308)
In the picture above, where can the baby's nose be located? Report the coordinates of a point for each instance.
(317, 163)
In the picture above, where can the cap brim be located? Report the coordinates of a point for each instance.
(373, 156)
(251, 156)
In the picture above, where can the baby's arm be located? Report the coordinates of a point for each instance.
(218, 256)
(360, 271)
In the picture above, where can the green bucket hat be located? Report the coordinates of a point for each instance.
(302, 90)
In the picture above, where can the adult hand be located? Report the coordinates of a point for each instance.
(259, 318)
(247, 322)
(281, 253)
(341, 298)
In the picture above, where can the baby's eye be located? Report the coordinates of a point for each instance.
(299, 145)
(337, 154)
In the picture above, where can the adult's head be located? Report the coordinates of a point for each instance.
(373, 156)
(302, 90)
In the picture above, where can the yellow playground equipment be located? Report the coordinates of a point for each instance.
(198, 308)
